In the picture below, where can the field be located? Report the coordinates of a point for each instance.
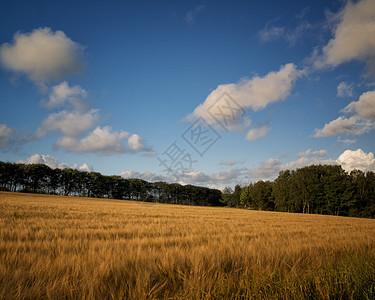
(55, 247)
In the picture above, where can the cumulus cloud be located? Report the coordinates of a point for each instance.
(69, 123)
(362, 120)
(364, 107)
(227, 100)
(104, 141)
(7, 136)
(358, 159)
(344, 89)
(43, 55)
(257, 133)
(63, 93)
(192, 14)
(342, 125)
(53, 162)
(353, 36)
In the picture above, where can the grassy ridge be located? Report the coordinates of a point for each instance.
(78, 248)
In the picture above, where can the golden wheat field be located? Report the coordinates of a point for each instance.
(54, 247)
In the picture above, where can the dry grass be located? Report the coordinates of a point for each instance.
(78, 248)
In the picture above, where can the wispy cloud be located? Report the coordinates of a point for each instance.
(346, 141)
(310, 153)
(7, 136)
(272, 32)
(344, 89)
(191, 15)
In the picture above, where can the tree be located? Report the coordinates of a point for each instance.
(236, 197)
(228, 196)
(261, 195)
(245, 198)
(282, 191)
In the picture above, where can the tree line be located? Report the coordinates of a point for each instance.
(40, 178)
(316, 189)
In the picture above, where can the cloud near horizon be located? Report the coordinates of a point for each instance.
(267, 170)
(42, 55)
(53, 162)
(358, 159)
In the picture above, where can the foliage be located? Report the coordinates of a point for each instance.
(41, 179)
(317, 189)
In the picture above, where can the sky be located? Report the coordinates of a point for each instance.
(210, 93)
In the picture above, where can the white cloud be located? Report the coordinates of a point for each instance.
(357, 159)
(42, 55)
(255, 93)
(362, 120)
(104, 142)
(62, 93)
(53, 162)
(353, 36)
(192, 14)
(6, 136)
(136, 143)
(364, 107)
(342, 125)
(344, 89)
(86, 167)
(70, 123)
(257, 133)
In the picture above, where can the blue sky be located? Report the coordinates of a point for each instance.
(116, 87)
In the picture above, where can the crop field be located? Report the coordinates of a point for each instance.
(54, 247)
